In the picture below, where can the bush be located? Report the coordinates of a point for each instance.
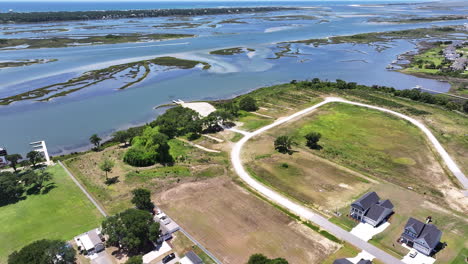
(248, 104)
(139, 157)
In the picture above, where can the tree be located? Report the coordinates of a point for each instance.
(13, 159)
(36, 179)
(106, 166)
(139, 157)
(95, 140)
(142, 199)
(313, 139)
(122, 136)
(261, 259)
(248, 104)
(465, 107)
(132, 230)
(10, 189)
(34, 157)
(44, 252)
(283, 144)
(135, 260)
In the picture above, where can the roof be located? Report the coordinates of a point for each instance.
(94, 237)
(364, 261)
(342, 261)
(161, 250)
(414, 225)
(89, 240)
(431, 235)
(386, 204)
(376, 211)
(367, 200)
(194, 258)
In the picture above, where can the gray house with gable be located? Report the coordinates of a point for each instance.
(423, 237)
(371, 209)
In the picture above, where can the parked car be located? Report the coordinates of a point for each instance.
(168, 258)
(413, 254)
(165, 220)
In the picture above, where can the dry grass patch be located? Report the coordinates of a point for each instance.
(233, 224)
(192, 164)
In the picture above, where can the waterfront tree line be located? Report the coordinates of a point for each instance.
(35, 17)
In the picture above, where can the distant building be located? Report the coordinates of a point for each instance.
(191, 258)
(370, 209)
(3, 153)
(423, 237)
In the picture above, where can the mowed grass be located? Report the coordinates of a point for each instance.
(454, 226)
(62, 213)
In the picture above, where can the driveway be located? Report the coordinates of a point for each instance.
(366, 232)
(307, 213)
(102, 258)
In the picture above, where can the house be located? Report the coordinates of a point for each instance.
(90, 242)
(423, 237)
(191, 258)
(370, 209)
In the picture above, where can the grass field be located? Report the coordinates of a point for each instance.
(370, 142)
(62, 213)
(191, 164)
(233, 224)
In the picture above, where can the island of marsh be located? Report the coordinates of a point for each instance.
(62, 42)
(129, 74)
(231, 51)
(20, 63)
(62, 213)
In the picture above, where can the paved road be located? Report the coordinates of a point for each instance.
(306, 212)
(84, 190)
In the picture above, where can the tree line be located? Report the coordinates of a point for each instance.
(413, 94)
(34, 17)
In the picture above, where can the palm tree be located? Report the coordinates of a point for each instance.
(95, 140)
(106, 166)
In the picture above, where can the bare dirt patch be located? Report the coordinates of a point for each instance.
(233, 224)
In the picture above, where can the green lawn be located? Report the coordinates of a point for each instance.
(253, 122)
(60, 214)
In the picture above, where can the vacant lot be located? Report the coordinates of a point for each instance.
(62, 213)
(303, 176)
(192, 164)
(375, 144)
(233, 224)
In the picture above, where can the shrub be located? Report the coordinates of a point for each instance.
(248, 104)
(139, 157)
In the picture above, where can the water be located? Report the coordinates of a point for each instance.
(67, 122)
(43, 6)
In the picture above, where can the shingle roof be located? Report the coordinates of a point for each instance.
(431, 235)
(193, 257)
(342, 261)
(414, 224)
(364, 261)
(376, 211)
(386, 204)
(367, 200)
